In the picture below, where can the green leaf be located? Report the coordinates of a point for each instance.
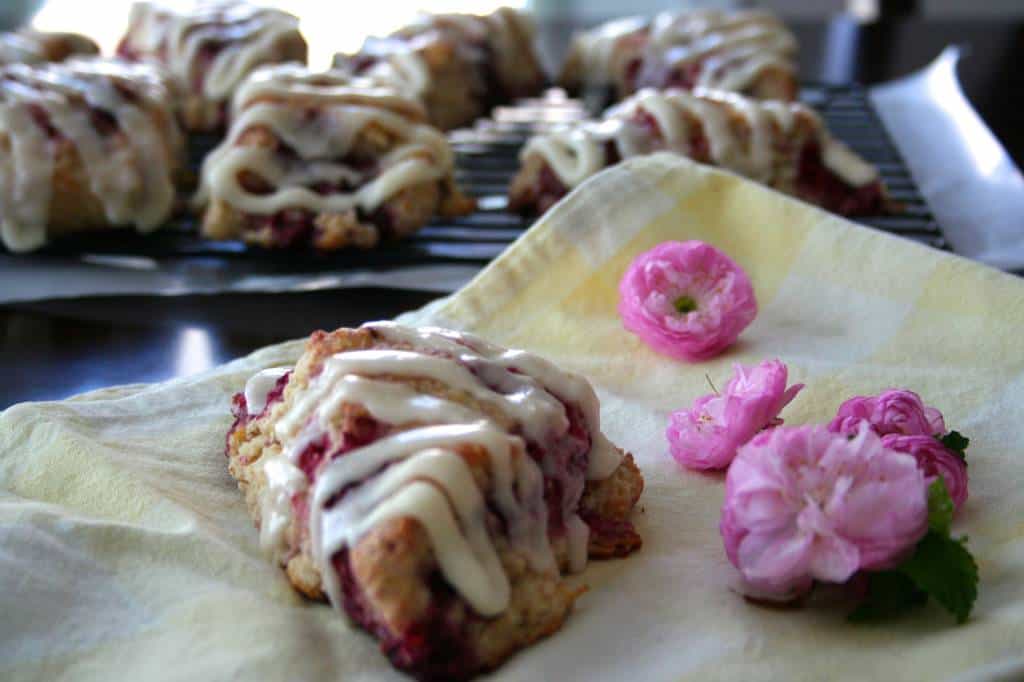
(942, 567)
(956, 443)
(940, 507)
(890, 593)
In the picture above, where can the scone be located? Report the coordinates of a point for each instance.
(458, 65)
(28, 46)
(433, 486)
(784, 145)
(86, 144)
(210, 50)
(749, 52)
(443, 74)
(319, 160)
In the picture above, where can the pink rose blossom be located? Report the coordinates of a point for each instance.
(687, 300)
(805, 504)
(892, 411)
(707, 435)
(934, 459)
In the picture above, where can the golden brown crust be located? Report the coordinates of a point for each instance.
(392, 563)
(454, 98)
(775, 83)
(56, 47)
(515, 62)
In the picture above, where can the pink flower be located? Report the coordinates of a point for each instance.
(707, 435)
(893, 411)
(805, 504)
(687, 300)
(934, 459)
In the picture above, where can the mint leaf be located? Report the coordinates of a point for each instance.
(890, 593)
(942, 567)
(956, 443)
(940, 507)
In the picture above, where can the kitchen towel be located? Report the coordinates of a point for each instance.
(126, 552)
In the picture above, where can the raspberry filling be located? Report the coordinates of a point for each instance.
(547, 192)
(684, 76)
(204, 58)
(126, 50)
(240, 409)
(699, 148)
(293, 227)
(434, 648)
(289, 227)
(819, 184)
(42, 119)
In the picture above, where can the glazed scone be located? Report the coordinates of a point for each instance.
(442, 74)
(28, 46)
(210, 50)
(784, 145)
(744, 51)
(433, 486)
(85, 144)
(321, 160)
(607, 58)
(458, 65)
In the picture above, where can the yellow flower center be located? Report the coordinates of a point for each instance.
(685, 304)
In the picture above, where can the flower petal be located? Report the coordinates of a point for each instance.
(722, 292)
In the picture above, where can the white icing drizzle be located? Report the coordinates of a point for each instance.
(27, 46)
(259, 386)
(577, 537)
(736, 47)
(537, 376)
(245, 36)
(132, 181)
(284, 481)
(417, 472)
(397, 64)
(19, 47)
(597, 47)
(319, 116)
(578, 151)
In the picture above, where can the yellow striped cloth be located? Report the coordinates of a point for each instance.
(126, 551)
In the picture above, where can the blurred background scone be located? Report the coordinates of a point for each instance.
(784, 145)
(749, 52)
(85, 144)
(325, 161)
(27, 46)
(458, 65)
(210, 50)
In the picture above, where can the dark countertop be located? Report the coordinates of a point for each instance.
(55, 349)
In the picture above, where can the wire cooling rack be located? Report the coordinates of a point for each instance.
(486, 160)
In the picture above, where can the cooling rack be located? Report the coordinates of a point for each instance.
(486, 160)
